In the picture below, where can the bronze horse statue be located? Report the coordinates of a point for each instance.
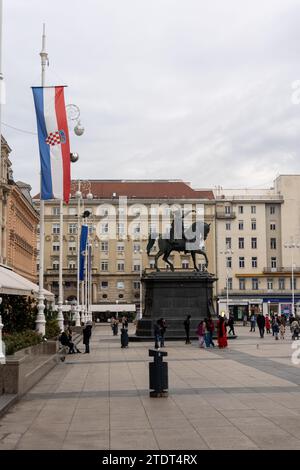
(166, 246)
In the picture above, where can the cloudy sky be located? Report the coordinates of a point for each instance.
(199, 90)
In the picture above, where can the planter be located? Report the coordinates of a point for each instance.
(26, 367)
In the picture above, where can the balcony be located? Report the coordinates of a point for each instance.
(220, 214)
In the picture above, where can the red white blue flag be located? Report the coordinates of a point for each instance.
(54, 142)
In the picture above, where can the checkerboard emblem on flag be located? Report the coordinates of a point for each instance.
(56, 138)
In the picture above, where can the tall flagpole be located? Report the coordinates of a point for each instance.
(60, 317)
(78, 195)
(40, 321)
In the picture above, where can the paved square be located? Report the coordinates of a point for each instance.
(244, 397)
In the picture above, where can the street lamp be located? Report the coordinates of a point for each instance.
(291, 245)
(228, 252)
(141, 286)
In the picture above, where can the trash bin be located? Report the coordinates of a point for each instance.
(158, 374)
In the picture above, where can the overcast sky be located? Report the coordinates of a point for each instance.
(199, 90)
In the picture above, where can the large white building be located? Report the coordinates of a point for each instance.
(257, 233)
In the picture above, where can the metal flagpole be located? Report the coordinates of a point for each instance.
(40, 321)
(60, 317)
(78, 195)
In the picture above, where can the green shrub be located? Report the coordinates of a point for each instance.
(52, 329)
(16, 341)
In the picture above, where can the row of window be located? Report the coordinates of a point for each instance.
(253, 262)
(104, 266)
(272, 210)
(241, 243)
(270, 283)
(253, 225)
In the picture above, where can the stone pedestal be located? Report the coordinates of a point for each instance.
(173, 296)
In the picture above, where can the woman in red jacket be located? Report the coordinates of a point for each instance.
(222, 335)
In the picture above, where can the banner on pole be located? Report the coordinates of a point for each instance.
(83, 247)
(54, 145)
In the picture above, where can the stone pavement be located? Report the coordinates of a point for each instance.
(244, 397)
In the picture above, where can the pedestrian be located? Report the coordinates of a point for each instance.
(67, 345)
(275, 328)
(163, 327)
(206, 333)
(124, 333)
(70, 335)
(245, 320)
(295, 330)
(187, 326)
(261, 324)
(282, 330)
(201, 334)
(157, 337)
(87, 333)
(115, 325)
(210, 327)
(252, 322)
(268, 324)
(222, 335)
(231, 324)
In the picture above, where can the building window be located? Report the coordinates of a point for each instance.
(242, 284)
(272, 210)
(228, 226)
(273, 243)
(136, 285)
(120, 247)
(253, 224)
(72, 248)
(241, 209)
(72, 229)
(272, 226)
(229, 283)
(270, 284)
(136, 267)
(104, 246)
(104, 296)
(281, 283)
(241, 262)
(38, 229)
(254, 243)
(254, 283)
(229, 262)
(241, 225)
(104, 266)
(121, 296)
(121, 266)
(120, 285)
(55, 229)
(55, 265)
(227, 210)
(228, 243)
(72, 265)
(291, 283)
(72, 211)
(152, 264)
(55, 247)
(136, 248)
(253, 209)
(55, 210)
(136, 229)
(104, 284)
(241, 243)
(185, 264)
(104, 228)
(254, 262)
(273, 262)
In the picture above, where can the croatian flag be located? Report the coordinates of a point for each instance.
(54, 143)
(83, 247)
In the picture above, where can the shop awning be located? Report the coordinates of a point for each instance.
(12, 283)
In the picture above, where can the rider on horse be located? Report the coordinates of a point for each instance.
(178, 219)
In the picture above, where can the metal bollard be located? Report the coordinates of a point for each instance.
(158, 374)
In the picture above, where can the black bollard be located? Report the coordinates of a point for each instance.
(158, 374)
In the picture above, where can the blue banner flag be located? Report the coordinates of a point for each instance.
(83, 242)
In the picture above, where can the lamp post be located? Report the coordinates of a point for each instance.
(228, 252)
(292, 245)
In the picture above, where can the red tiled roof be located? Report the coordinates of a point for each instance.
(103, 189)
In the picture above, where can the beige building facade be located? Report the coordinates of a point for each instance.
(122, 215)
(255, 234)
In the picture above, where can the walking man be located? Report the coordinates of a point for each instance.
(261, 324)
(187, 326)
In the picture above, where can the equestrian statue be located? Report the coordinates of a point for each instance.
(193, 244)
